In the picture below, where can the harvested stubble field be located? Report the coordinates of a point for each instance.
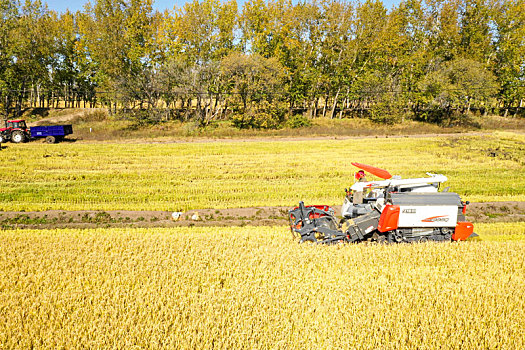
(185, 176)
(253, 287)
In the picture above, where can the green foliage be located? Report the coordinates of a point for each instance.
(251, 80)
(384, 112)
(298, 121)
(257, 120)
(509, 19)
(115, 38)
(264, 116)
(461, 82)
(209, 59)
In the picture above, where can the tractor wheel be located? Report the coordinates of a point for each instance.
(2, 138)
(18, 136)
(50, 139)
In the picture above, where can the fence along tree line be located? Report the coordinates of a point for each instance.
(213, 59)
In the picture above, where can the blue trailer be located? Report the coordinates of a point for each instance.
(52, 133)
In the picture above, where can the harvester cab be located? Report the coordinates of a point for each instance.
(392, 210)
(361, 196)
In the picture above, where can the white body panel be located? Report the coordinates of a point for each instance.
(420, 188)
(428, 216)
(346, 209)
(360, 186)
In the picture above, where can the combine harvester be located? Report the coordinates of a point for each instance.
(391, 210)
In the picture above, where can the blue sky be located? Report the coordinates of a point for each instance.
(74, 5)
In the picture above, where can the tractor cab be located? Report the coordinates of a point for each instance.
(16, 124)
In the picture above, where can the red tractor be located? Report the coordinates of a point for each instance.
(14, 130)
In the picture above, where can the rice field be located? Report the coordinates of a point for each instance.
(501, 231)
(253, 287)
(184, 176)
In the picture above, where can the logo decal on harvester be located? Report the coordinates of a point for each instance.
(442, 218)
(409, 211)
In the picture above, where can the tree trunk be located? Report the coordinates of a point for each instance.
(224, 111)
(216, 107)
(332, 115)
(40, 101)
(518, 108)
(309, 109)
(198, 108)
(324, 107)
(345, 105)
(31, 96)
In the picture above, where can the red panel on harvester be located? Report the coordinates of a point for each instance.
(389, 218)
(463, 231)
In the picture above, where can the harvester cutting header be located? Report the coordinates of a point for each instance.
(389, 210)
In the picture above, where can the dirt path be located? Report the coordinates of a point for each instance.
(256, 216)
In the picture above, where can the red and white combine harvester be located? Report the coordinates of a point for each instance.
(389, 210)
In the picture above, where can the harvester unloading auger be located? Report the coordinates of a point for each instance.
(389, 210)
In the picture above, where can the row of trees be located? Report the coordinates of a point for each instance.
(259, 62)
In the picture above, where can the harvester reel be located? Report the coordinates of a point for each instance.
(314, 224)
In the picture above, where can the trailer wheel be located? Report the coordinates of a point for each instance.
(50, 139)
(18, 136)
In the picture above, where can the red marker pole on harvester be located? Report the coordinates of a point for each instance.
(382, 173)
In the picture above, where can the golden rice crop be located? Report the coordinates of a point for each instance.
(232, 288)
(500, 231)
(75, 176)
